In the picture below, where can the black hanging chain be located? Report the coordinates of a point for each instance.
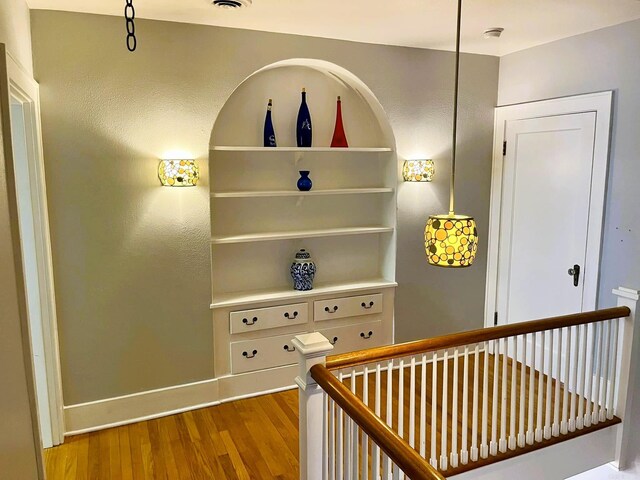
(130, 16)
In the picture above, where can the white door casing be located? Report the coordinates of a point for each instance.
(558, 148)
(25, 100)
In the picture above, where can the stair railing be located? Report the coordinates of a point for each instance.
(445, 405)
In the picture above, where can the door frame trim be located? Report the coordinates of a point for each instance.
(23, 87)
(602, 104)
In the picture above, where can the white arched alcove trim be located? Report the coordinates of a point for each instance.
(259, 220)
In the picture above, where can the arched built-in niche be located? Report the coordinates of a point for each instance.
(259, 219)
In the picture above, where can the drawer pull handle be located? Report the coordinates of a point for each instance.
(364, 305)
(328, 310)
(253, 354)
(289, 349)
(365, 336)
(246, 321)
(291, 317)
(334, 341)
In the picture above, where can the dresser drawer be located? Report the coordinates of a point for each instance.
(263, 318)
(354, 337)
(269, 352)
(347, 307)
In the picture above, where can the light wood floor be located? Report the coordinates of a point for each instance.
(255, 438)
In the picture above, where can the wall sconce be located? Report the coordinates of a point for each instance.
(178, 173)
(418, 170)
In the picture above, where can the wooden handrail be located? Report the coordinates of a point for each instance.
(408, 459)
(379, 354)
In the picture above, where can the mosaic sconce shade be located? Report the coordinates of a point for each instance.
(451, 240)
(178, 173)
(418, 170)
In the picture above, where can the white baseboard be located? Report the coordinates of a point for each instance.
(136, 407)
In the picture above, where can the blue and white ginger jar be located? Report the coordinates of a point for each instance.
(302, 271)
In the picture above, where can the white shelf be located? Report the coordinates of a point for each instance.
(280, 294)
(326, 232)
(230, 148)
(297, 193)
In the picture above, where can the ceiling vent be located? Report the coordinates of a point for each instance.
(493, 32)
(231, 4)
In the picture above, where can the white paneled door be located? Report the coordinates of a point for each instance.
(544, 211)
(548, 188)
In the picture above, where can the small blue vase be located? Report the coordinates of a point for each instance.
(304, 182)
(302, 271)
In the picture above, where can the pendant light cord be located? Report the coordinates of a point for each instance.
(455, 113)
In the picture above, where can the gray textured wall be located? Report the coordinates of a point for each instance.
(602, 60)
(131, 259)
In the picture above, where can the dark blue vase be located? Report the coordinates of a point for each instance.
(304, 182)
(269, 133)
(303, 125)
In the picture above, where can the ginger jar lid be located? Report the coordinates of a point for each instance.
(303, 256)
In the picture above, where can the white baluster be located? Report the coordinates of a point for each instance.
(575, 355)
(423, 407)
(602, 414)
(386, 467)
(340, 471)
(540, 389)
(474, 407)
(523, 390)
(530, 436)
(613, 370)
(364, 460)
(591, 362)
(598, 372)
(434, 410)
(464, 452)
(412, 402)
(581, 376)
(555, 430)
(389, 405)
(548, 380)
(502, 444)
(484, 447)
(375, 449)
(400, 426)
(567, 383)
(514, 386)
(493, 445)
(354, 432)
(444, 461)
(396, 472)
(331, 461)
(454, 413)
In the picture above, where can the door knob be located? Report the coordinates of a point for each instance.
(575, 272)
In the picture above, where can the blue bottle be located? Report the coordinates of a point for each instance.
(304, 182)
(303, 125)
(269, 133)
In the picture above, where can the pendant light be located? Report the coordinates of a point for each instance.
(451, 240)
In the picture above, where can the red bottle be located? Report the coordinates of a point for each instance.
(339, 139)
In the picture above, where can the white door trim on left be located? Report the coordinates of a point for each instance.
(25, 89)
(601, 104)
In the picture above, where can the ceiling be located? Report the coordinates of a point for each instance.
(414, 23)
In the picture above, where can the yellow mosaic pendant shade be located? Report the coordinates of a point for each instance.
(178, 173)
(451, 240)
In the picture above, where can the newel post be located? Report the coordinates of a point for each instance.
(312, 349)
(629, 364)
